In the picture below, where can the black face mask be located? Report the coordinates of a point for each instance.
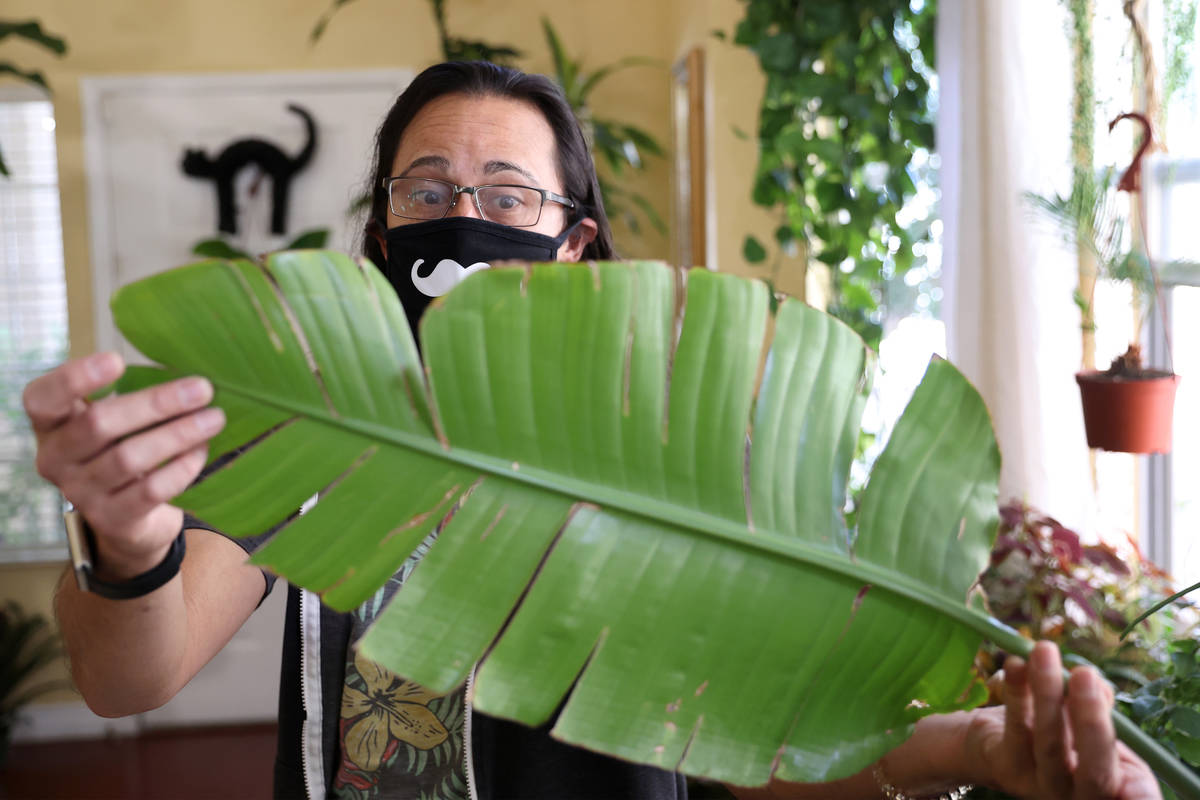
(427, 259)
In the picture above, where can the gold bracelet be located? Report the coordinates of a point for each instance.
(892, 792)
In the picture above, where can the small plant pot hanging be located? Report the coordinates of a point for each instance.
(1128, 415)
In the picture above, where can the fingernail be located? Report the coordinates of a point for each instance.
(1086, 686)
(210, 420)
(193, 391)
(99, 367)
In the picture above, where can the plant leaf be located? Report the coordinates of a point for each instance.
(603, 72)
(634, 529)
(564, 68)
(309, 240)
(218, 248)
(753, 250)
(32, 31)
(323, 22)
(29, 76)
(651, 213)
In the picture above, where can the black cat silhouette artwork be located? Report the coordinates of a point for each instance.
(269, 158)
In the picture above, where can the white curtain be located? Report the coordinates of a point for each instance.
(1012, 328)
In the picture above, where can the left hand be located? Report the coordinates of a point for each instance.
(1043, 745)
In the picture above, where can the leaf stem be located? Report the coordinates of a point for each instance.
(1157, 606)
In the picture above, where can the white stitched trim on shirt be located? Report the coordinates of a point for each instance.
(310, 694)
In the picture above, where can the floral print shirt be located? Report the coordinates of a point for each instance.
(399, 741)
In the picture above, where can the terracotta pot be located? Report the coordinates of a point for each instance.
(1128, 415)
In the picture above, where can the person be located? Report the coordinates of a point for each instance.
(473, 163)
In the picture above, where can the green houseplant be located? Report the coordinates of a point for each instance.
(1127, 407)
(1099, 603)
(220, 247)
(1045, 581)
(30, 31)
(1168, 708)
(27, 644)
(567, 449)
(844, 128)
(617, 146)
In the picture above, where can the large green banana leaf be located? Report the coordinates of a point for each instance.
(631, 526)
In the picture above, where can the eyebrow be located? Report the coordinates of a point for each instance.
(428, 161)
(490, 168)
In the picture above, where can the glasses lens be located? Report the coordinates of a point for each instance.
(419, 198)
(517, 206)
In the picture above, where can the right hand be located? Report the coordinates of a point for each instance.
(120, 459)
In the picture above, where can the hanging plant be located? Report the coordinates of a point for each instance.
(845, 113)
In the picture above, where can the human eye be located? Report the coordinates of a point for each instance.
(512, 205)
(426, 194)
(508, 202)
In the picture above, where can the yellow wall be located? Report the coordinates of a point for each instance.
(130, 37)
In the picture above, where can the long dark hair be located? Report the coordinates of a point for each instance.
(575, 166)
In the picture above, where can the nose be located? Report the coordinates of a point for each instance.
(463, 206)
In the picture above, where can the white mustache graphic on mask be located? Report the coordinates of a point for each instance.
(445, 276)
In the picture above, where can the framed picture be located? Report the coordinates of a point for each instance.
(144, 134)
(690, 247)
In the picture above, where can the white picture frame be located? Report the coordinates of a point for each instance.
(145, 214)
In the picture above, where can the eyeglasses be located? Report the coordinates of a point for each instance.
(507, 204)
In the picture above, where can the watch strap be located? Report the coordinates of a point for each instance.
(81, 542)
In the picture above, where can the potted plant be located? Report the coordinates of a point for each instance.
(27, 644)
(1094, 601)
(1044, 580)
(1127, 407)
(1168, 708)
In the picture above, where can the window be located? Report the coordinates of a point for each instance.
(1154, 494)
(1171, 510)
(33, 319)
(1181, 505)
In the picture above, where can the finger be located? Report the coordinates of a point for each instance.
(142, 496)
(1137, 780)
(1089, 706)
(1018, 710)
(104, 422)
(1049, 729)
(53, 398)
(134, 457)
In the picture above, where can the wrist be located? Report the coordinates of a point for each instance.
(91, 575)
(111, 563)
(892, 792)
(934, 762)
(138, 546)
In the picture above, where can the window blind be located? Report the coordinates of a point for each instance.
(33, 322)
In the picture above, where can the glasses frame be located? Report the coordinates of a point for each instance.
(546, 194)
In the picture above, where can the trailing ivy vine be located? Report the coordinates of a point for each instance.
(845, 125)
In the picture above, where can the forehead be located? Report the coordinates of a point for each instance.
(471, 131)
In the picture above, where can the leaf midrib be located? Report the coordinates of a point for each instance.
(662, 512)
